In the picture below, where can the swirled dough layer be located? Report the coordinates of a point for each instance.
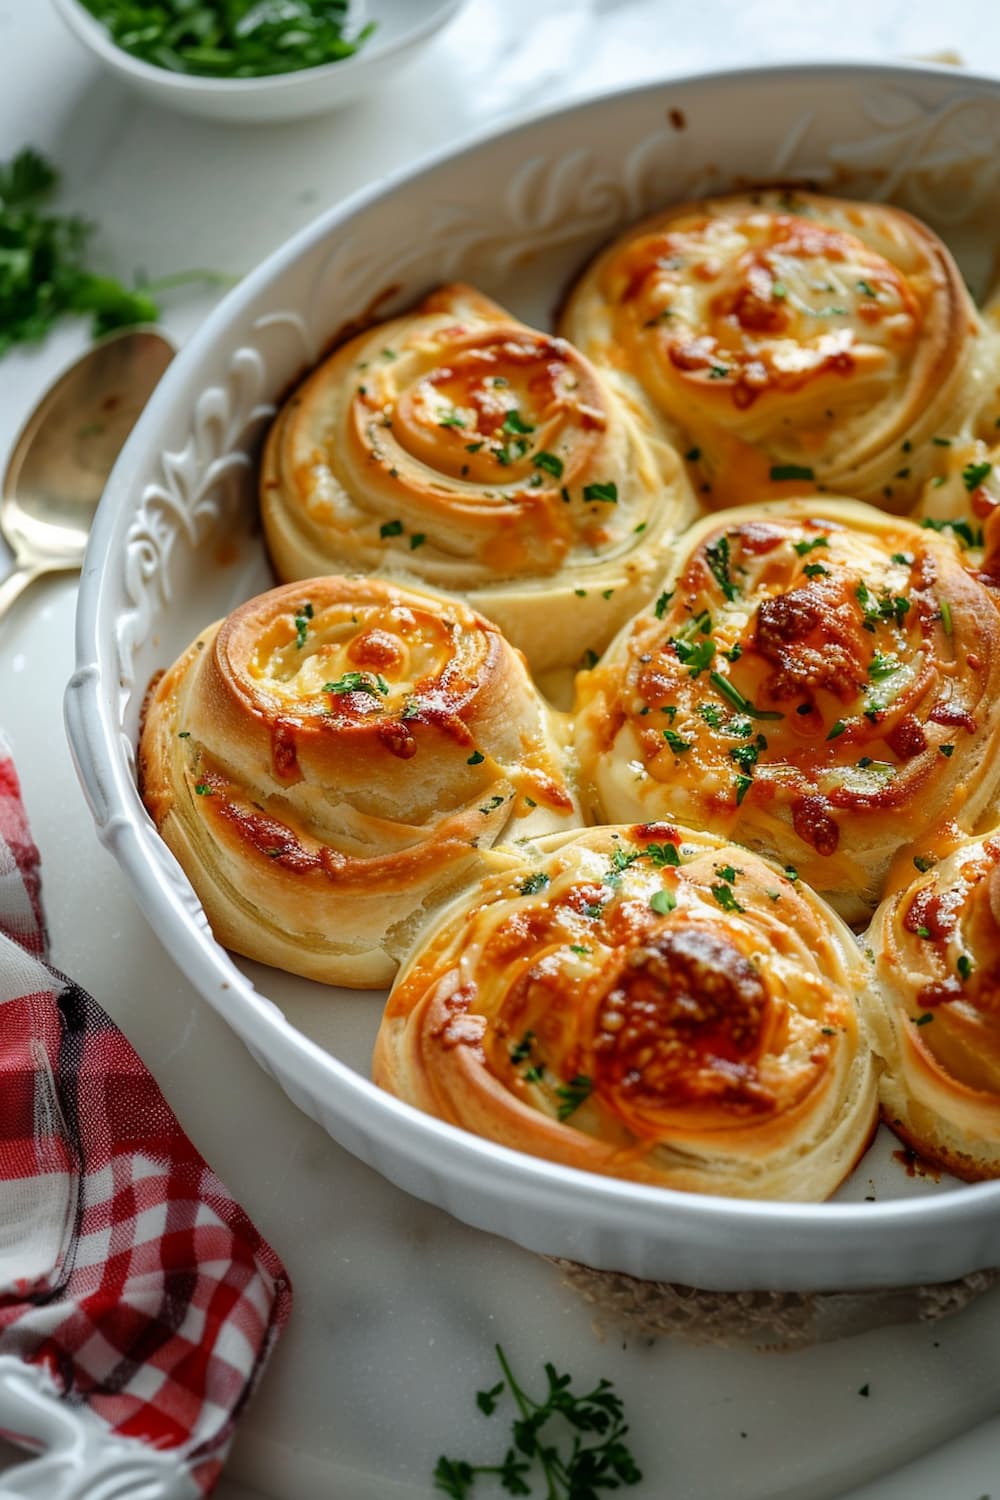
(456, 447)
(645, 1002)
(817, 679)
(335, 758)
(937, 950)
(792, 339)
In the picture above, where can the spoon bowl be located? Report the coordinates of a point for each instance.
(62, 458)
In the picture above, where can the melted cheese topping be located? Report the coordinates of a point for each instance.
(809, 675)
(644, 1001)
(791, 338)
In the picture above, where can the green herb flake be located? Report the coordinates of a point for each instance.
(781, 472)
(810, 546)
(947, 751)
(390, 528)
(550, 462)
(974, 474)
(532, 884)
(606, 493)
(724, 896)
(676, 743)
(522, 1051)
(476, 758)
(360, 682)
(513, 422)
(730, 691)
(573, 1094)
(203, 789)
(964, 966)
(924, 1019)
(663, 902)
(661, 604)
(836, 730)
(492, 805)
(924, 862)
(663, 854)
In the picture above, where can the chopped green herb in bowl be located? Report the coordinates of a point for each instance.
(254, 60)
(232, 38)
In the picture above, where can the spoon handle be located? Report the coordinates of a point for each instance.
(12, 585)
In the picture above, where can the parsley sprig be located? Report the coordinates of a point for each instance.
(604, 1464)
(43, 265)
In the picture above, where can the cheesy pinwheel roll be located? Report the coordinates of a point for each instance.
(645, 1002)
(937, 955)
(333, 759)
(792, 339)
(456, 447)
(817, 679)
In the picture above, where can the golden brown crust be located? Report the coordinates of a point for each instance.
(337, 756)
(645, 1002)
(936, 942)
(459, 448)
(792, 338)
(818, 680)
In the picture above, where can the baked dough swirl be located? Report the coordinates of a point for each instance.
(645, 1002)
(792, 338)
(459, 448)
(937, 952)
(337, 756)
(817, 680)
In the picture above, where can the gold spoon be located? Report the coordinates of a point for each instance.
(66, 450)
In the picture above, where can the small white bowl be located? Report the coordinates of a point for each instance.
(401, 27)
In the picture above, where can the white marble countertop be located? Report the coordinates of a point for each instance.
(398, 1306)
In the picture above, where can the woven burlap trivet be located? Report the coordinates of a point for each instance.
(759, 1320)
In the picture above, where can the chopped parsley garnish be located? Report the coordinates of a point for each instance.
(513, 422)
(621, 859)
(718, 372)
(947, 750)
(791, 471)
(411, 709)
(203, 789)
(534, 883)
(476, 758)
(608, 493)
(816, 570)
(360, 682)
(923, 932)
(836, 730)
(677, 745)
(731, 691)
(974, 474)
(522, 1051)
(866, 287)
(662, 602)
(791, 873)
(580, 949)
(964, 966)
(924, 1019)
(390, 528)
(746, 756)
(491, 806)
(724, 895)
(924, 862)
(717, 554)
(453, 419)
(711, 713)
(550, 462)
(663, 854)
(417, 540)
(183, 734)
(946, 621)
(880, 667)
(743, 784)
(663, 902)
(818, 541)
(695, 657)
(302, 619)
(573, 1094)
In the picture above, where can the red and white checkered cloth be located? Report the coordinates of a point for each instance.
(126, 1270)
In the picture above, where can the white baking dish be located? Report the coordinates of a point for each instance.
(176, 544)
